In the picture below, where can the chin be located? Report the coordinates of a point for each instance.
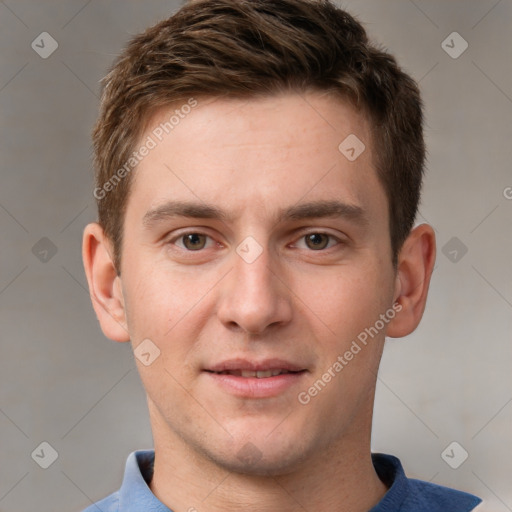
(262, 456)
(259, 464)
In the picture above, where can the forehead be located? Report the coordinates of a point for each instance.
(259, 154)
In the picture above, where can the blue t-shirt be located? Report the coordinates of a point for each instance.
(404, 494)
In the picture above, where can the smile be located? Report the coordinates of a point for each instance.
(248, 379)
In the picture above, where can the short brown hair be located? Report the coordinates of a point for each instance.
(244, 48)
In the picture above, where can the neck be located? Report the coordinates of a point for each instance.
(339, 479)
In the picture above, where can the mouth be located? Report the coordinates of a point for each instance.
(258, 374)
(250, 379)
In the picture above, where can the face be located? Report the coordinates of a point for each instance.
(255, 255)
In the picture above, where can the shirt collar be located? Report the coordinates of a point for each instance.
(390, 471)
(135, 494)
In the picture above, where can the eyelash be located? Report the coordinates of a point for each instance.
(302, 236)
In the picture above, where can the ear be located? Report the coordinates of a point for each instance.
(104, 283)
(415, 264)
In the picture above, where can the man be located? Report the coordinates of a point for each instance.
(258, 171)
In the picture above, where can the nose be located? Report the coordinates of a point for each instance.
(254, 297)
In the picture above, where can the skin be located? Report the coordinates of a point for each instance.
(296, 302)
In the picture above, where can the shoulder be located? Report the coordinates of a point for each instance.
(108, 504)
(432, 497)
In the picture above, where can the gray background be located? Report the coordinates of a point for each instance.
(62, 382)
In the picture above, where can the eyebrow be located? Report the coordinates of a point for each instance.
(310, 210)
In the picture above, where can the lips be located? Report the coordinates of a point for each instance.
(258, 369)
(255, 379)
(259, 374)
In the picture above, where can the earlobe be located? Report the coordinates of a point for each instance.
(104, 283)
(415, 265)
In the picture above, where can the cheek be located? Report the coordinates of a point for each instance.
(346, 306)
(163, 306)
(344, 300)
(161, 298)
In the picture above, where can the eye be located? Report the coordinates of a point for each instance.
(191, 241)
(318, 241)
